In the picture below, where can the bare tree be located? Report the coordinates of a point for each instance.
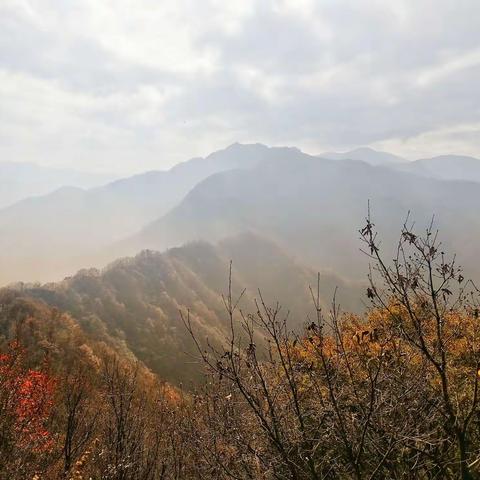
(80, 418)
(391, 395)
(130, 452)
(422, 291)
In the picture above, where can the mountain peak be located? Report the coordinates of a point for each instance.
(240, 147)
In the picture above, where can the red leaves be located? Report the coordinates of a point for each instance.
(27, 396)
(34, 402)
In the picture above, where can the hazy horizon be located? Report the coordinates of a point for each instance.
(111, 176)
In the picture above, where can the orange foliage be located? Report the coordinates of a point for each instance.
(28, 400)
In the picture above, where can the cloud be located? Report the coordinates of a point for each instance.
(449, 67)
(133, 85)
(463, 139)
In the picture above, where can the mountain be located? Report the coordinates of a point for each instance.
(311, 206)
(445, 167)
(45, 238)
(365, 154)
(314, 208)
(22, 180)
(44, 330)
(136, 301)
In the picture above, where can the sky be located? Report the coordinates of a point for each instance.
(125, 86)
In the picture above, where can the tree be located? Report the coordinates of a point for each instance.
(434, 310)
(26, 401)
(80, 418)
(390, 394)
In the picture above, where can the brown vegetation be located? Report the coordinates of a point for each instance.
(390, 394)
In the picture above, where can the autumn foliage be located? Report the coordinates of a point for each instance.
(27, 399)
(390, 394)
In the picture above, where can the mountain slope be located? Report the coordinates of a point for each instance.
(48, 237)
(137, 300)
(314, 208)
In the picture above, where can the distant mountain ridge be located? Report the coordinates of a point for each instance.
(45, 238)
(365, 154)
(22, 180)
(442, 167)
(445, 167)
(314, 207)
(50, 236)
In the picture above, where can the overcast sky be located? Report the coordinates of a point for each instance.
(128, 85)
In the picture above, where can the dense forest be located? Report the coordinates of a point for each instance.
(134, 303)
(388, 392)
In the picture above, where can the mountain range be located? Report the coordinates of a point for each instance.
(311, 206)
(445, 167)
(314, 208)
(278, 214)
(44, 238)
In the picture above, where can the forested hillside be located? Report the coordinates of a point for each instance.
(136, 302)
(61, 389)
(226, 355)
(388, 393)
